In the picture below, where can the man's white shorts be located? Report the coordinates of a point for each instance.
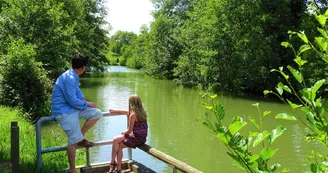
(71, 125)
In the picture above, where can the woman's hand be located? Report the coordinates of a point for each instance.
(111, 111)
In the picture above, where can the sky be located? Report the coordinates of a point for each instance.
(128, 15)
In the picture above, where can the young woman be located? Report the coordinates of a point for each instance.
(134, 136)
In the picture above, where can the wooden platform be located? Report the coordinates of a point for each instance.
(127, 166)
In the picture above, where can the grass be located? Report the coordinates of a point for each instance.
(52, 162)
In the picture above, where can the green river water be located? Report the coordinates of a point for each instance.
(174, 126)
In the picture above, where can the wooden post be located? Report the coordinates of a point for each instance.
(14, 146)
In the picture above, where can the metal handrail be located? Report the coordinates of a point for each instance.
(172, 162)
(40, 150)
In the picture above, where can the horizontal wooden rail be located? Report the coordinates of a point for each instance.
(168, 159)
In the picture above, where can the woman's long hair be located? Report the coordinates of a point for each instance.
(135, 105)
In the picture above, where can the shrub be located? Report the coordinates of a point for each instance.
(24, 82)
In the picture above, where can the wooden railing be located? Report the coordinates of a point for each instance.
(176, 164)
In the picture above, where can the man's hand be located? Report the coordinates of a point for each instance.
(91, 105)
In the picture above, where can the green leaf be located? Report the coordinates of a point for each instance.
(274, 167)
(256, 105)
(310, 118)
(304, 48)
(284, 87)
(325, 104)
(314, 168)
(237, 119)
(281, 72)
(323, 32)
(298, 76)
(303, 37)
(222, 136)
(321, 42)
(268, 153)
(286, 44)
(310, 93)
(208, 107)
(276, 133)
(285, 116)
(206, 124)
(305, 110)
(253, 158)
(293, 105)
(252, 120)
(265, 92)
(321, 19)
(307, 95)
(279, 90)
(252, 134)
(325, 58)
(214, 96)
(291, 32)
(219, 111)
(237, 159)
(265, 113)
(285, 170)
(236, 126)
(260, 138)
(317, 86)
(300, 62)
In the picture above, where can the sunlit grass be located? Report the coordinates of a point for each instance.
(52, 162)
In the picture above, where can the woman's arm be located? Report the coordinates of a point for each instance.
(132, 120)
(114, 111)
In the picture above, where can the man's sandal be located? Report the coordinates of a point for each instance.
(85, 143)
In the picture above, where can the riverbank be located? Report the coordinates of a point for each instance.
(27, 144)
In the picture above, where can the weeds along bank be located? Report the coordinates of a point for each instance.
(27, 144)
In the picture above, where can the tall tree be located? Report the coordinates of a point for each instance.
(165, 49)
(56, 29)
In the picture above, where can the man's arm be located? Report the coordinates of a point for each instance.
(69, 90)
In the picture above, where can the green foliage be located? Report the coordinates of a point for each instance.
(164, 48)
(131, 49)
(52, 31)
(227, 48)
(56, 29)
(24, 82)
(120, 40)
(113, 58)
(240, 146)
(306, 95)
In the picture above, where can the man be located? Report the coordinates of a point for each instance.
(69, 105)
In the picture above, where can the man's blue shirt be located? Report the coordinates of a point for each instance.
(66, 94)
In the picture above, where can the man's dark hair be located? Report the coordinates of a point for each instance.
(79, 60)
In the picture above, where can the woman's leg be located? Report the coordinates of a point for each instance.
(120, 155)
(116, 142)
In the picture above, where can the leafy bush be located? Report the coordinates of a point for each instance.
(24, 82)
(305, 95)
(240, 146)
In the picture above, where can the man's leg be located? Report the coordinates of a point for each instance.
(70, 124)
(87, 125)
(92, 115)
(71, 150)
